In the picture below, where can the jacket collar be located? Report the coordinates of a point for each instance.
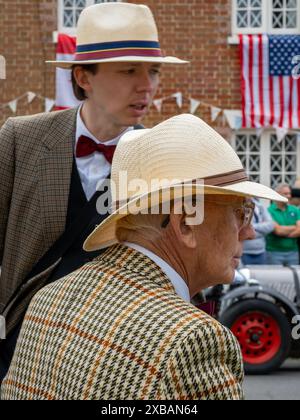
(122, 257)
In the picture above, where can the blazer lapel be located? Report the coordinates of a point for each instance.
(55, 170)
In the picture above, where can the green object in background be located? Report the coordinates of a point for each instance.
(288, 217)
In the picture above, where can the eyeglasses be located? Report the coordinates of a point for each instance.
(244, 213)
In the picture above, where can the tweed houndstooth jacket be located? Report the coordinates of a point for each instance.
(115, 329)
(36, 156)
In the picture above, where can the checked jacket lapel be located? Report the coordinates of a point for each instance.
(55, 170)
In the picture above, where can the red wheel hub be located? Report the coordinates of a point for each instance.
(259, 337)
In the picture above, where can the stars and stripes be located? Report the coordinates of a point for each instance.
(270, 93)
(65, 50)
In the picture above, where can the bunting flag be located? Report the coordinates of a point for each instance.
(13, 105)
(215, 111)
(158, 104)
(66, 46)
(194, 105)
(270, 90)
(30, 97)
(49, 104)
(178, 96)
(234, 118)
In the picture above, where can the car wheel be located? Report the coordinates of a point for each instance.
(263, 332)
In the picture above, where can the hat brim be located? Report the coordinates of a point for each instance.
(162, 60)
(104, 235)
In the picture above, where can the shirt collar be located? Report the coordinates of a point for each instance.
(82, 130)
(177, 281)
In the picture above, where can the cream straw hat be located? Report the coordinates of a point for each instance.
(182, 150)
(117, 32)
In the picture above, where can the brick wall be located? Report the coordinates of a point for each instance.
(195, 30)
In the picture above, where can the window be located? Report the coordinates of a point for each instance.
(69, 11)
(267, 160)
(248, 149)
(266, 16)
(283, 160)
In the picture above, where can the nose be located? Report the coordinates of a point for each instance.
(146, 81)
(247, 233)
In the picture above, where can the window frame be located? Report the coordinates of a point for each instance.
(266, 21)
(60, 16)
(265, 152)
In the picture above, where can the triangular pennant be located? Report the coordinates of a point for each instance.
(178, 97)
(194, 104)
(281, 132)
(158, 104)
(30, 97)
(13, 105)
(215, 112)
(234, 118)
(49, 104)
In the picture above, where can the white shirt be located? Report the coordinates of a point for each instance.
(93, 169)
(177, 281)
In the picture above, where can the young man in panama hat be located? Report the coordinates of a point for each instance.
(51, 163)
(122, 326)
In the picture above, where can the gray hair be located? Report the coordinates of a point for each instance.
(149, 226)
(281, 187)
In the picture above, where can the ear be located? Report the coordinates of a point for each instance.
(82, 78)
(185, 234)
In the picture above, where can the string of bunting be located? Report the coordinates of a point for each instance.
(233, 118)
(13, 104)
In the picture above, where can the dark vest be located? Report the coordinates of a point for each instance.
(76, 256)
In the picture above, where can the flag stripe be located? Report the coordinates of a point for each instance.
(261, 84)
(251, 80)
(65, 51)
(266, 84)
(270, 95)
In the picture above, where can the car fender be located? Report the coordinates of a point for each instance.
(258, 292)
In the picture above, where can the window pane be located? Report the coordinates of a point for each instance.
(242, 19)
(283, 160)
(68, 18)
(277, 21)
(247, 147)
(256, 3)
(278, 4)
(249, 14)
(80, 3)
(291, 4)
(256, 19)
(291, 19)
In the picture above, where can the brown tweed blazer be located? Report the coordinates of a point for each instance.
(36, 155)
(115, 329)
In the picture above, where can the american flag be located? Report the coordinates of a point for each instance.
(270, 94)
(65, 50)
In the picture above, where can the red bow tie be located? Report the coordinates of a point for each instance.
(86, 147)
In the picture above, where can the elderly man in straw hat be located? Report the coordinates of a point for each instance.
(122, 326)
(50, 164)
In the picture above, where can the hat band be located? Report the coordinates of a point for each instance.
(222, 180)
(117, 49)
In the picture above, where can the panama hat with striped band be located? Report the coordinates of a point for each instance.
(117, 32)
(188, 155)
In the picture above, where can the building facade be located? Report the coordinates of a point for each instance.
(203, 32)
